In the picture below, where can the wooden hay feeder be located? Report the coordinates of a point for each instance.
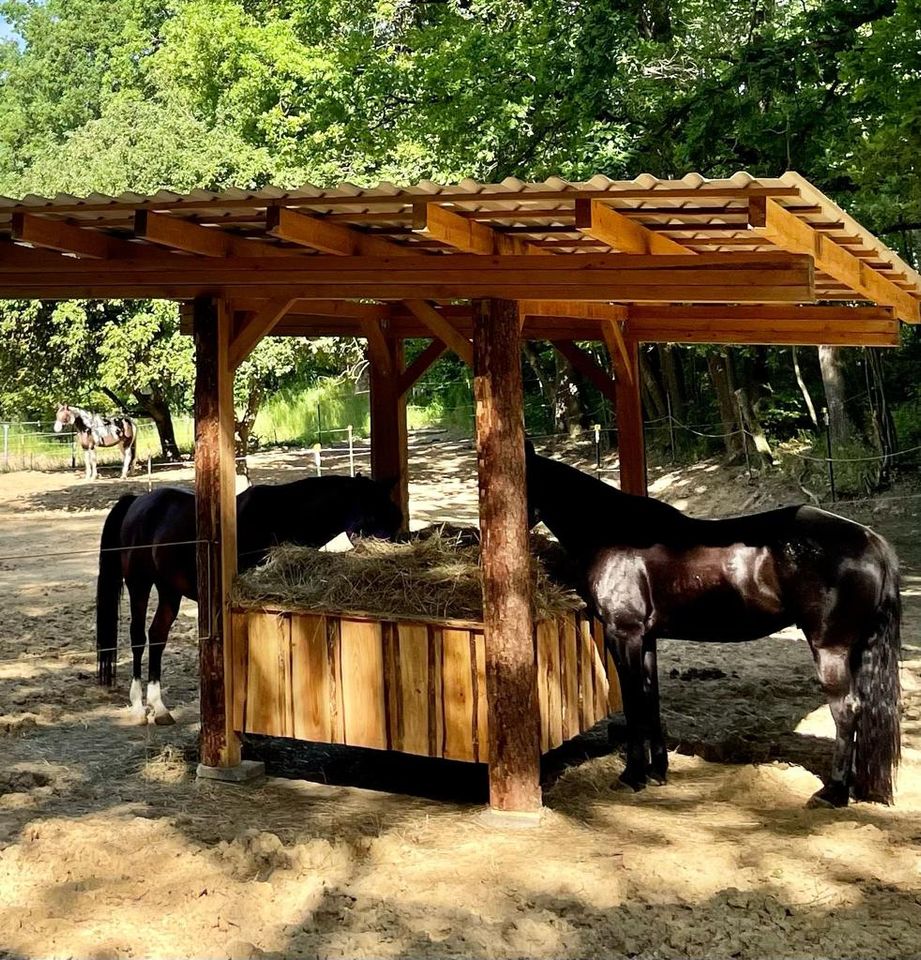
(409, 685)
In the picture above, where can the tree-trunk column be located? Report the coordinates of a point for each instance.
(511, 666)
(631, 443)
(388, 421)
(215, 504)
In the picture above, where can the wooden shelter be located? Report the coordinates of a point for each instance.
(474, 268)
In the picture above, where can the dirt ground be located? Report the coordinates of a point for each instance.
(110, 848)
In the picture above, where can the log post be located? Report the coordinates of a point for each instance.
(631, 443)
(216, 554)
(511, 665)
(388, 416)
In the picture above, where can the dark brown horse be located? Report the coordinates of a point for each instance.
(158, 530)
(93, 430)
(653, 572)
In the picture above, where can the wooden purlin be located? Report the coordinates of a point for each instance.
(64, 237)
(784, 230)
(176, 234)
(453, 230)
(328, 238)
(595, 219)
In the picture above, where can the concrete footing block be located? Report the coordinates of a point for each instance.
(243, 771)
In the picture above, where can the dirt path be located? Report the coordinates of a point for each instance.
(110, 848)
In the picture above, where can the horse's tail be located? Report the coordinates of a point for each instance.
(878, 746)
(109, 590)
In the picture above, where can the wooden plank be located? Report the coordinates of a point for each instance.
(257, 326)
(436, 697)
(615, 703)
(178, 234)
(600, 671)
(216, 530)
(334, 661)
(459, 704)
(392, 694)
(330, 238)
(586, 365)
(785, 230)
(548, 669)
(577, 309)
(586, 673)
(569, 670)
(239, 633)
(415, 683)
(362, 680)
(594, 218)
(417, 369)
(69, 238)
(481, 736)
(268, 684)
(511, 663)
(631, 441)
(441, 327)
(543, 695)
(310, 679)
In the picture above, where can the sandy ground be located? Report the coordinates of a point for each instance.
(110, 848)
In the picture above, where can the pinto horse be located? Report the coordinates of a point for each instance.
(651, 572)
(94, 431)
(158, 530)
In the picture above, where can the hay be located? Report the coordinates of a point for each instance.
(434, 575)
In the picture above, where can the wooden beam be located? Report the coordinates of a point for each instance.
(631, 441)
(420, 365)
(785, 230)
(330, 238)
(442, 328)
(379, 350)
(216, 512)
(595, 219)
(511, 662)
(612, 332)
(576, 309)
(388, 419)
(177, 234)
(586, 365)
(257, 325)
(69, 238)
(450, 228)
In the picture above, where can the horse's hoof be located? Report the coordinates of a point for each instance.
(828, 798)
(658, 777)
(632, 783)
(164, 719)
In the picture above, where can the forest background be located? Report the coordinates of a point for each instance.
(113, 95)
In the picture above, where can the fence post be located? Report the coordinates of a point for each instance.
(319, 425)
(748, 463)
(351, 453)
(831, 463)
(73, 451)
(149, 472)
(671, 424)
(597, 448)
(316, 458)
(6, 444)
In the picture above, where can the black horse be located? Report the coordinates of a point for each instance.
(93, 430)
(652, 572)
(308, 512)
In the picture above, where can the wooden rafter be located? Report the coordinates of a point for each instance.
(772, 222)
(66, 237)
(420, 365)
(442, 328)
(331, 238)
(176, 234)
(450, 228)
(595, 219)
(257, 325)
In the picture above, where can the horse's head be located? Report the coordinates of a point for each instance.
(376, 515)
(63, 418)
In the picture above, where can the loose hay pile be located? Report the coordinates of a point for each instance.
(436, 574)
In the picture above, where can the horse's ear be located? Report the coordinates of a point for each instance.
(359, 474)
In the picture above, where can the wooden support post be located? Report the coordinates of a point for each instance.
(388, 416)
(216, 556)
(511, 664)
(631, 444)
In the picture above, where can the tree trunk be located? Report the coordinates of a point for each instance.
(656, 399)
(569, 406)
(804, 390)
(883, 424)
(243, 429)
(670, 363)
(720, 369)
(830, 363)
(753, 425)
(156, 407)
(535, 361)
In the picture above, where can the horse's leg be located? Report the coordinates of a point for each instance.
(626, 647)
(139, 594)
(87, 471)
(164, 617)
(658, 752)
(126, 459)
(91, 460)
(833, 667)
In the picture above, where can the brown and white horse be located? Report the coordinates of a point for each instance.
(93, 431)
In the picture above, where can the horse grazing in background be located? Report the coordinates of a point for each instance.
(94, 430)
(159, 528)
(653, 572)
